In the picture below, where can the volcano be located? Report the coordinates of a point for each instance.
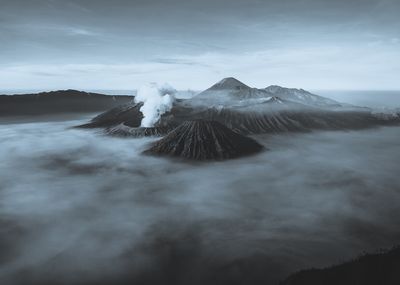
(229, 83)
(227, 92)
(247, 110)
(204, 140)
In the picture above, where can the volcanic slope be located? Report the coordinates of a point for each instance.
(204, 140)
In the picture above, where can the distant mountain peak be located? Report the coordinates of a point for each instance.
(229, 83)
(277, 88)
(300, 96)
(274, 86)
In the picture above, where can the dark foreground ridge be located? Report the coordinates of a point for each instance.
(371, 269)
(204, 140)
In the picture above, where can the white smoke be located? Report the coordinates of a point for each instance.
(156, 101)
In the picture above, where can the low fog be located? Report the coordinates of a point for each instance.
(78, 207)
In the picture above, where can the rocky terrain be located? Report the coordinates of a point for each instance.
(204, 140)
(122, 130)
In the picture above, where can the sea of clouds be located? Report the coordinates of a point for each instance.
(78, 207)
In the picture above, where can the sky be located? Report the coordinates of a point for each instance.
(123, 44)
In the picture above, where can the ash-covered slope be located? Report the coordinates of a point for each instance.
(204, 140)
(295, 120)
(370, 269)
(123, 130)
(57, 102)
(128, 114)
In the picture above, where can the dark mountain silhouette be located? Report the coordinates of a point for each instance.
(371, 269)
(204, 140)
(57, 102)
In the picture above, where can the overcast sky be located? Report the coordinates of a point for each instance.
(122, 44)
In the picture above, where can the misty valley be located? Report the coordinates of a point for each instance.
(234, 185)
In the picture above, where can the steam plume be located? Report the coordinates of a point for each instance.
(156, 101)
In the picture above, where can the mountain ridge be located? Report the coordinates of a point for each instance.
(58, 102)
(301, 96)
(230, 89)
(267, 113)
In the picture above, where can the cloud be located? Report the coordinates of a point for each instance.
(395, 40)
(58, 30)
(174, 61)
(81, 32)
(310, 66)
(76, 199)
(298, 43)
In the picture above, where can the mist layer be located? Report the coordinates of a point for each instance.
(78, 207)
